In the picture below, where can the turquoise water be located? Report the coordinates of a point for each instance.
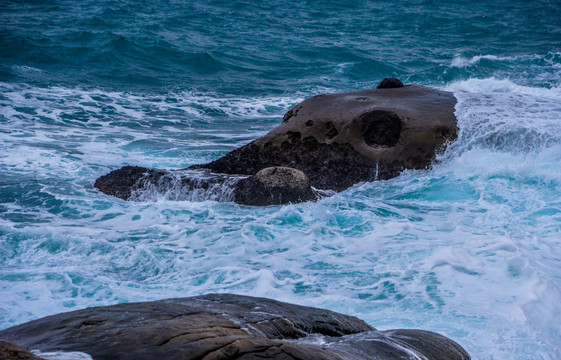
(470, 248)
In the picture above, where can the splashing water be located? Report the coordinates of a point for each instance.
(469, 248)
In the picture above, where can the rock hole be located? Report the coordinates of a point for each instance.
(309, 143)
(331, 132)
(291, 113)
(293, 136)
(310, 123)
(380, 128)
(443, 132)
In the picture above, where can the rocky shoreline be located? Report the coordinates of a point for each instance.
(220, 326)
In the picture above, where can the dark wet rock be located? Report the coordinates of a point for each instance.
(271, 186)
(9, 351)
(274, 186)
(389, 83)
(121, 182)
(224, 326)
(141, 184)
(338, 140)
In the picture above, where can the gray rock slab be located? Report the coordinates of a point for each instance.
(224, 326)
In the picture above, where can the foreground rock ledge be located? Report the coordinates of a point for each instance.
(224, 326)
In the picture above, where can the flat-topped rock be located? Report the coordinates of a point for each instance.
(224, 326)
(338, 140)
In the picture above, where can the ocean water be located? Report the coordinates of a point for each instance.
(470, 248)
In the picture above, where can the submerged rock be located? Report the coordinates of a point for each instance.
(224, 326)
(338, 140)
(274, 186)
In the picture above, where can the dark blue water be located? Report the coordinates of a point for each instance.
(470, 248)
(243, 48)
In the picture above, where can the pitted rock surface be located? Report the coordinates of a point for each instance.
(338, 140)
(224, 326)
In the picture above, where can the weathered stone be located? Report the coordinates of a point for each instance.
(338, 140)
(274, 186)
(138, 184)
(9, 351)
(223, 326)
(121, 182)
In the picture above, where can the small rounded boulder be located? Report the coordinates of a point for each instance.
(274, 186)
(390, 83)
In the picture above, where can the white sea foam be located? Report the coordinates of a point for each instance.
(461, 61)
(499, 114)
(52, 102)
(56, 123)
(470, 249)
(22, 69)
(62, 355)
(187, 185)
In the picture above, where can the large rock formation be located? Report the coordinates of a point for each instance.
(338, 140)
(225, 327)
